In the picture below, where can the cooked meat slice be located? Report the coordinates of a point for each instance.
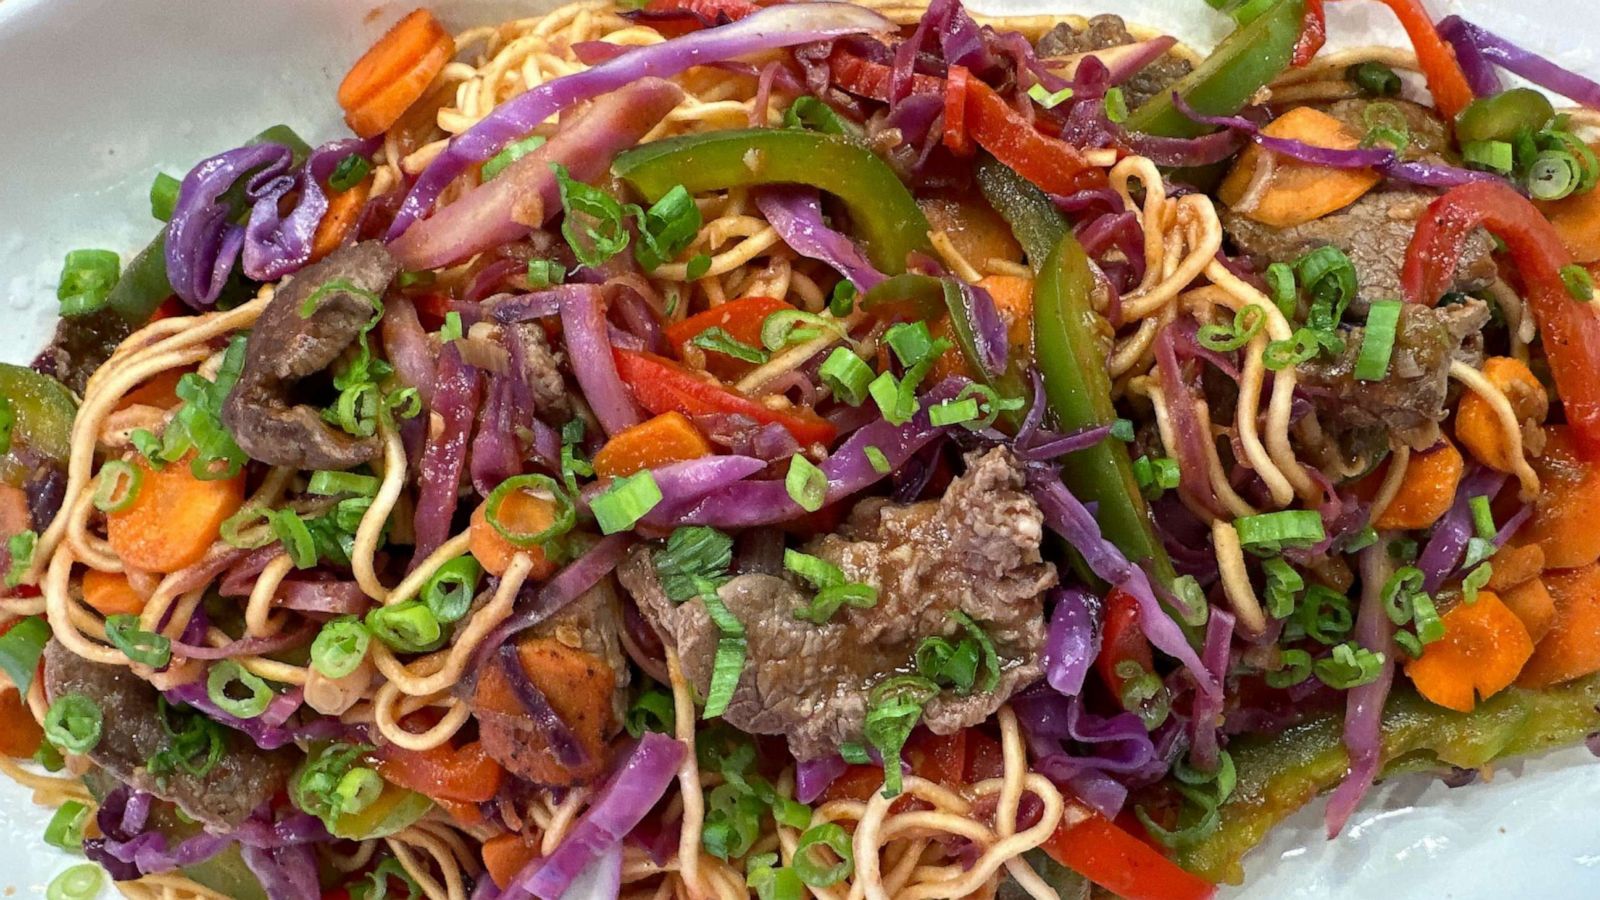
(81, 345)
(288, 346)
(576, 661)
(1428, 134)
(976, 550)
(1410, 403)
(541, 367)
(1104, 32)
(132, 732)
(1374, 232)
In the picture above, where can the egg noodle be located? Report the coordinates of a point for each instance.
(900, 846)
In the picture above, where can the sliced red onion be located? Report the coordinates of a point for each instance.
(445, 454)
(283, 706)
(583, 324)
(285, 873)
(266, 735)
(1443, 552)
(1206, 714)
(558, 736)
(525, 194)
(684, 483)
(1073, 640)
(1527, 64)
(287, 639)
(617, 809)
(495, 454)
(1363, 717)
(784, 25)
(813, 776)
(1189, 439)
(1481, 75)
(407, 348)
(795, 212)
(848, 470)
(321, 596)
(536, 305)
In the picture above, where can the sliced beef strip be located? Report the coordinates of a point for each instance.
(287, 348)
(1409, 404)
(1374, 232)
(975, 550)
(541, 366)
(591, 625)
(1106, 31)
(243, 779)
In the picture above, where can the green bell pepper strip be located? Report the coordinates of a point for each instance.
(42, 412)
(1246, 61)
(1279, 774)
(1067, 352)
(1034, 220)
(884, 214)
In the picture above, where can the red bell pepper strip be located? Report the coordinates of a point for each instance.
(1054, 165)
(955, 112)
(1093, 846)
(445, 772)
(675, 18)
(1446, 82)
(741, 319)
(1313, 34)
(940, 758)
(1570, 329)
(1122, 640)
(661, 385)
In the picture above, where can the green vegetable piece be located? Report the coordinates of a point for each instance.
(42, 412)
(1501, 117)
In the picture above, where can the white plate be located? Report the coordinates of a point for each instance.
(102, 94)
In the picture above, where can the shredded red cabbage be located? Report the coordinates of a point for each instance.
(813, 776)
(1518, 61)
(456, 389)
(784, 25)
(1481, 75)
(1073, 640)
(285, 873)
(287, 639)
(795, 212)
(617, 809)
(1443, 552)
(583, 325)
(1363, 717)
(1206, 713)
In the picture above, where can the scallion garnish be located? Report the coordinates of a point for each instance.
(877, 460)
(806, 484)
(118, 486)
(147, 648)
(1350, 665)
(718, 340)
(65, 829)
(540, 488)
(349, 172)
(513, 152)
(1377, 340)
(407, 627)
(449, 593)
(1247, 323)
(20, 649)
(817, 874)
(87, 278)
(227, 679)
(1047, 99)
(542, 273)
(340, 647)
(729, 661)
(332, 484)
(846, 375)
(667, 228)
(625, 502)
(1271, 532)
(73, 723)
(1578, 281)
(594, 223)
(893, 709)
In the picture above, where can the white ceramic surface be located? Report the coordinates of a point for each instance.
(99, 95)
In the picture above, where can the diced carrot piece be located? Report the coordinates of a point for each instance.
(1483, 650)
(504, 855)
(975, 230)
(174, 519)
(110, 594)
(1298, 192)
(20, 735)
(1478, 427)
(160, 391)
(394, 73)
(1514, 564)
(344, 210)
(1572, 648)
(577, 684)
(522, 513)
(1427, 490)
(1532, 603)
(667, 438)
(14, 515)
(1013, 299)
(1563, 521)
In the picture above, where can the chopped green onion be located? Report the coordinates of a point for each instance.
(667, 228)
(1042, 96)
(947, 664)
(877, 460)
(894, 707)
(544, 272)
(1122, 430)
(1325, 615)
(1283, 586)
(87, 278)
(1361, 540)
(80, 882)
(891, 400)
(1247, 323)
(74, 723)
(806, 484)
(66, 826)
(1190, 600)
(20, 547)
(810, 112)
(164, 196)
(854, 753)
(1554, 174)
(843, 300)
(358, 789)
(408, 626)
(626, 501)
(991, 658)
(340, 647)
(1285, 295)
(332, 484)
(1294, 667)
(143, 647)
(412, 279)
(1482, 517)
(296, 537)
(1292, 351)
(718, 340)
(452, 330)
(697, 266)
(581, 204)
(1349, 666)
(1425, 618)
(1116, 105)
(1377, 341)
(1496, 156)
(253, 519)
(1271, 532)
(324, 787)
(1329, 278)
(1382, 136)
(1374, 79)
(118, 486)
(650, 711)
(795, 326)
(1143, 694)
(350, 171)
(832, 598)
(513, 152)
(1475, 581)
(148, 445)
(728, 664)
(911, 342)
(953, 412)
(1156, 475)
(20, 649)
(195, 743)
(541, 487)
(695, 561)
(228, 677)
(1399, 594)
(832, 836)
(814, 569)
(448, 594)
(48, 757)
(1578, 281)
(846, 375)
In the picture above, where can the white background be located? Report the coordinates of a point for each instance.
(99, 95)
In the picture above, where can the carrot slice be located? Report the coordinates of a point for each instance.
(1514, 564)
(110, 594)
(1478, 427)
(394, 73)
(1483, 650)
(161, 391)
(174, 518)
(1532, 603)
(20, 735)
(577, 684)
(1013, 299)
(344, 210)
(1427, 490)
(504, 855)
(1572, 648)
(667, 438)
(1298, 192)
(1563, 521)
(523, 513)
